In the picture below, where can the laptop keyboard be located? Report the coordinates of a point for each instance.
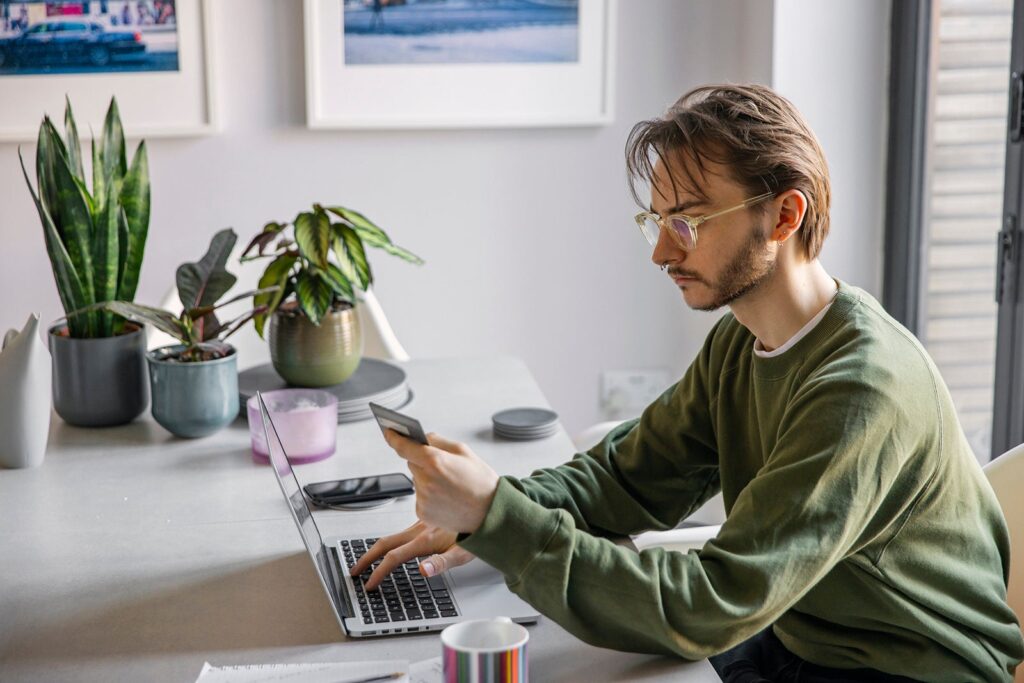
(404, 595)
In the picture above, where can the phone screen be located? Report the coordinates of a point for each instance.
(360, 488)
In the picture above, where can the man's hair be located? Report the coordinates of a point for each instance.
(757, 134)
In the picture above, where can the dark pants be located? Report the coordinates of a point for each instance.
(763, 659)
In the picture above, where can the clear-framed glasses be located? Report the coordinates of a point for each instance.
(683, 228)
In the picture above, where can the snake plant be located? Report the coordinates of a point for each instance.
(95, 240)
(303, 266)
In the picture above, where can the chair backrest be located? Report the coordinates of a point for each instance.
(1006, 475)
(379, 340)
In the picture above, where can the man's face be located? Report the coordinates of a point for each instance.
(733, 254)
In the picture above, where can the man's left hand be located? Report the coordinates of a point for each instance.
(454, 487)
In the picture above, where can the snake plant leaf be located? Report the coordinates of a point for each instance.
(108, 159)
(87, 197)
(313, 235)
(135, 201)
(47, 153)
(74, 146)
(270, 231)
(147, 315)
(58, 141)
(276, 275)
(99, 182)
(356, 253)
(123, 235)
(75, 220)
(314, 293)
(106, 258)
(202, 283)
(69, 286)
(114, 161)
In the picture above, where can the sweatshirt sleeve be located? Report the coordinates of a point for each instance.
(647, 473)
(807, 509)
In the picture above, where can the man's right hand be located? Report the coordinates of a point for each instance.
(416, 541)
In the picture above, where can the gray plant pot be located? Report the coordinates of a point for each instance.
(99, 382)
(193, 399)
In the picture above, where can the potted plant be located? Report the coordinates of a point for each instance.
(319, 267)
(95, 240)
(195, 382)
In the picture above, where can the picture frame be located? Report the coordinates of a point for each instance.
(457, 95)
(152, 103)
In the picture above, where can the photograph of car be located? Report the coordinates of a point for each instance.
(86, 37)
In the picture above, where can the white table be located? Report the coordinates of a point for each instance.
(132, 555)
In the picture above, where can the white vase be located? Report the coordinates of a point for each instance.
(25, 399)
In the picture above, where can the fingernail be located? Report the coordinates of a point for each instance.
(428, 568)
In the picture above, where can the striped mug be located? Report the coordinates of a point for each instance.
(485, 651)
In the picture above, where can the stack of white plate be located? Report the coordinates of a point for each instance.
(374, 380)
(522, 424)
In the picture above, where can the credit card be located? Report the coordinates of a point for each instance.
(408, 427)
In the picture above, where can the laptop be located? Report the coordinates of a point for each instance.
(406, 602)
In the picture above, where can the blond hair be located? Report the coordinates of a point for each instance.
(758, 135)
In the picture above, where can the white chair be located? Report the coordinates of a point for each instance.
(712, 513)
(1006, 475)
(379, 340)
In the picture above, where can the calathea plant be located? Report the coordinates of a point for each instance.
(200, 287)
(95, 240)
(322, 264)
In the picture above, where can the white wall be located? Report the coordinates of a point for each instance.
(527, 234)
(832, 60)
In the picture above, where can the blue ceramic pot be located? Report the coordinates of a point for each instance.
(193, 399)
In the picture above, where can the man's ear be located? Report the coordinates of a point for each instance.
(792, 209)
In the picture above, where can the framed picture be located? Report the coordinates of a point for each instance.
(458, 63)
(153, 55)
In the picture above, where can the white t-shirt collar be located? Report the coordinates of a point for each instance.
(803, 332)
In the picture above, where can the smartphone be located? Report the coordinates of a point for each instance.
(343, 491)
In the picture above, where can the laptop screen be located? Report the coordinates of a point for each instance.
(301, 513)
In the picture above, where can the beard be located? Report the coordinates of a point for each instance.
(750, 267)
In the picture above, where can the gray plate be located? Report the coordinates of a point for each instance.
(374, 380)
(527, 430)
(519, 419)
(521, 437)
(524, 435)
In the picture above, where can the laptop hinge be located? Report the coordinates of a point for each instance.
(335, 567)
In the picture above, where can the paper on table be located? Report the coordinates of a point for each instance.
(330, 672)
(426, 671)
(684, 539)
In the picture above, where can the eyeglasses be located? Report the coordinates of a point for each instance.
(683, 228)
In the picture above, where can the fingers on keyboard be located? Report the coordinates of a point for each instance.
(399, 594)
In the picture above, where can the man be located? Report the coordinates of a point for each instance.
(862, 540)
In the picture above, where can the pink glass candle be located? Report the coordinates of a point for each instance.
(305, 419)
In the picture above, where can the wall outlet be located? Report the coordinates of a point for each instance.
(625, 393)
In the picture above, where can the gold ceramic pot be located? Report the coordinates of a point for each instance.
(306, 355)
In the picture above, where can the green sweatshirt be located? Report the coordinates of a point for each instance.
(859, 523)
